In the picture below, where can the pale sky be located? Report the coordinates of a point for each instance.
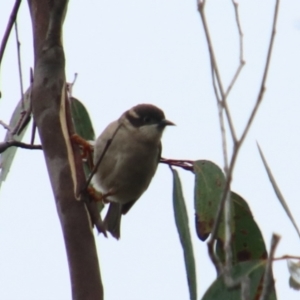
(130, 52)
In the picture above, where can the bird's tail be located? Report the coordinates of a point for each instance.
(112, 221)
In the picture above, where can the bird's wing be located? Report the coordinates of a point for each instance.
(127, 206)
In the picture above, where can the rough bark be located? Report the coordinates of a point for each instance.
(50, 111)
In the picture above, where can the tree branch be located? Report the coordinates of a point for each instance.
(218, 88)
(8, 144)
(52, 116)
(268, 281)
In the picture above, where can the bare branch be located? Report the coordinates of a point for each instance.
(71, 85)
(6, 145)
(238, 23)
(9, 26)
(268, 281)
(242, 61)
(33, 129)
(50, 108)
(215, 69)
(238, 143)
(6, 126)
(265, 75)
(19, 64)
(287, 257)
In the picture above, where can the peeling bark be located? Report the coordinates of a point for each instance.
(50, 111)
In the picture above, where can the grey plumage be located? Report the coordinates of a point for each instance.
(130, 161)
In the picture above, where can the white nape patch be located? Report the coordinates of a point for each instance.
(133, 114)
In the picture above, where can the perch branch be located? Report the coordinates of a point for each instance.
(184, 164)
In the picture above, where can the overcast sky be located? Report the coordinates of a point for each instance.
(130, 52)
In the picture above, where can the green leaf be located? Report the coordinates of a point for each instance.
(294, 270)
(247, 240)
(209, 186)
(277, 191)
(254, 270)
(182, 223)
(82, 122)
(8, 155)
(83, 126)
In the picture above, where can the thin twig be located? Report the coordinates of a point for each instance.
(22, 122)
(215, 69)
(6, 145)
(233, 80)
(286, 257)
(33, 129)
(227, 206)
(241, 42)
(268, 281)
(264, 79)
(19, 64)
(96, 166)
(9, 26)
(33, 132)
(238, 23)
(6, 126)
(184, 164)
(71, 85)
(239, 143)
(221, 120)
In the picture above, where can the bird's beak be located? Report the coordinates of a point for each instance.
(165, 122)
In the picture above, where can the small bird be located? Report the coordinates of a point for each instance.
(130, 161)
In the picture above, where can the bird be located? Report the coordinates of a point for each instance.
(129, 162)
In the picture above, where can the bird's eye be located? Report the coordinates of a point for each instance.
(147, 120)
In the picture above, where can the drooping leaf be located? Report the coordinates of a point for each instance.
(277, 191)
(247, 241)
(209, 186)
(19, 121)
(182, 223)
(254, 270)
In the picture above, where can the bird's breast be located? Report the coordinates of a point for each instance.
(127, 169)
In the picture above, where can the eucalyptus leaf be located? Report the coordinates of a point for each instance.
(252, 272)
(83, 126)
(277, 191)
(182, 223)
(18, 124)
(82, 121)
(247, 241)
(209, 186)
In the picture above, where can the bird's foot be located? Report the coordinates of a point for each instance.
(86, 147)
(95, 195)
(99, 197)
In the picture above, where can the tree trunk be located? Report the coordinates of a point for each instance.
(51, 114)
